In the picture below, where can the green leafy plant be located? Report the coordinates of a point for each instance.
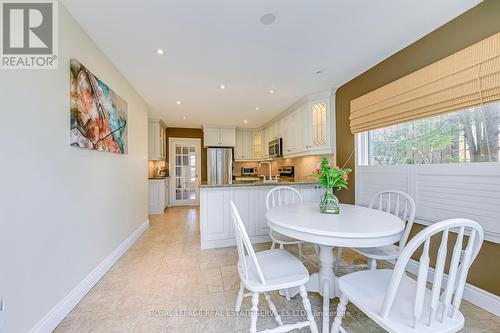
(331, 176)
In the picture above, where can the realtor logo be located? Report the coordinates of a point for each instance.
(29, 34)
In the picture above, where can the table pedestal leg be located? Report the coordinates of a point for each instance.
(324, 282)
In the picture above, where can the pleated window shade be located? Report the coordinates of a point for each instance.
(465, 79)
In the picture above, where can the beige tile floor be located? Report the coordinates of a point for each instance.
(165, 275)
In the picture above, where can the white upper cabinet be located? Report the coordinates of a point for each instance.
(243, 148)
(157, 140)
(211, 136)
(294, 131)
(272, 131)
(287, 134)
(228, 137)
(307, 128)
(250, 145)
(258, 148)
(219, 136)
(320, 126)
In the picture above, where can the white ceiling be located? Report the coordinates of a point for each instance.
(212, 42)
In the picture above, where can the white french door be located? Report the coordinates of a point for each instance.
(185, 167)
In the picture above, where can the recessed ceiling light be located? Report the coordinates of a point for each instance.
(257, 108)
(159, 51)
(178, 102)
(222, 87)
(267, 19)
(271, 91)
(184, 118)
(245, 121)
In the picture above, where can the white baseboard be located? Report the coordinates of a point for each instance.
(472, 294)
(50, 321)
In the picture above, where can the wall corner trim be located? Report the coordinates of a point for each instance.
(50, 321)
(477, 296)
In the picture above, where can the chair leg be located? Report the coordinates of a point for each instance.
(307, 307)
(255, 312)
(273, 309)
(239, 299)
(287, 294)
(372, 264)
(338, 258)
(340, 313)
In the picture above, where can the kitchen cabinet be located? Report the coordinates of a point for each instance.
(258, 147)
(320, 126)
(307, 128)
(293, 132)
(219, 136)
(250, 145)
(158, 195)
(228, 137)
(215, 215)
(273, 131)
(157, 140)
(243, 148)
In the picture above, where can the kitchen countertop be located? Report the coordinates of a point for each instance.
(157, 178)
(242, 183)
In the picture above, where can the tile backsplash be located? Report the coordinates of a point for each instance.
(304, 166)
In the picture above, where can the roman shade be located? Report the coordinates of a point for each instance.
(464, 79)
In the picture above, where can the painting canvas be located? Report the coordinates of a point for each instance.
(98, 114)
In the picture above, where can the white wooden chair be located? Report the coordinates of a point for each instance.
(267, 271)
(398, 303)
(282, 196)
(397, 203)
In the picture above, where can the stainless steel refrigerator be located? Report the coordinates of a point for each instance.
(220, 166)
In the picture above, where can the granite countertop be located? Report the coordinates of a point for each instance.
(243, 183)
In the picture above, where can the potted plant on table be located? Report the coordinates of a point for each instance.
(331, 177)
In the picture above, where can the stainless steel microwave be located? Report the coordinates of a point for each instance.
(275, 148)
(245, 171)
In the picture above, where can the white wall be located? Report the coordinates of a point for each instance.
(62, 209)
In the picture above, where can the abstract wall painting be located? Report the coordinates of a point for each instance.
(98, 114)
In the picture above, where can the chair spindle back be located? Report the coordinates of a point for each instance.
(282, 196)
(244, 246)
(397, 203)
(442, 305)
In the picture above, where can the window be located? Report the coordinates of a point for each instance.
(470, 135)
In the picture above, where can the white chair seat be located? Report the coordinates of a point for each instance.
(267, 271)
(282, 239)
(367, 289)
(281, 270)
(380, 253)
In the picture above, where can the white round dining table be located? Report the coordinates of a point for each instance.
(354, 226)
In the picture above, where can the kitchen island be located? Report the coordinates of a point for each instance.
(249, 197)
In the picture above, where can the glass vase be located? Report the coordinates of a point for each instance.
(329, 204)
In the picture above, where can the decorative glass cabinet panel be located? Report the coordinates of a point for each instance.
(319, 125)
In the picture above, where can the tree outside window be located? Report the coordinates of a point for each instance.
(470, 135)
